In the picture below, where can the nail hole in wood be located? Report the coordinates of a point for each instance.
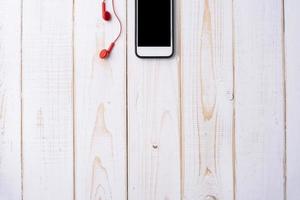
(210, 197)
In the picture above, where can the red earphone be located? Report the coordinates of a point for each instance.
(107, 16)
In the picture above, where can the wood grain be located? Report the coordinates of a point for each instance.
(100, 104)
(47, 100)
(292, 44)
(153, 122)
(10, 100)
(207, 94)
(218, 121)
(259, 93)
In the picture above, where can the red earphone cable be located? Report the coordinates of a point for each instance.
(120, 23)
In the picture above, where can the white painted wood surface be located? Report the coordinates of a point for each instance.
(292, 62)
(47, 106)
(100, 104)
(259, 99)
(10, 100)
(153, 123)
(207, 94)
(219, 120)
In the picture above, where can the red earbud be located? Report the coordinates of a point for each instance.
(105, 14)
(105, 52)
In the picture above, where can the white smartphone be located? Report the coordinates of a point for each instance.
(154, 28)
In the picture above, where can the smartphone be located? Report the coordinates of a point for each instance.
(154, 28)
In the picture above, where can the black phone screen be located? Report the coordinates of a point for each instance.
(154, 23)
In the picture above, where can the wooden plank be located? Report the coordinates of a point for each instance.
(100, 94)
(259, 93)
(153, 122)
(47, 100)
(292, 41)
(10, 100)
(207, 94)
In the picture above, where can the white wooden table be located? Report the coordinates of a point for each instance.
(218, 121)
